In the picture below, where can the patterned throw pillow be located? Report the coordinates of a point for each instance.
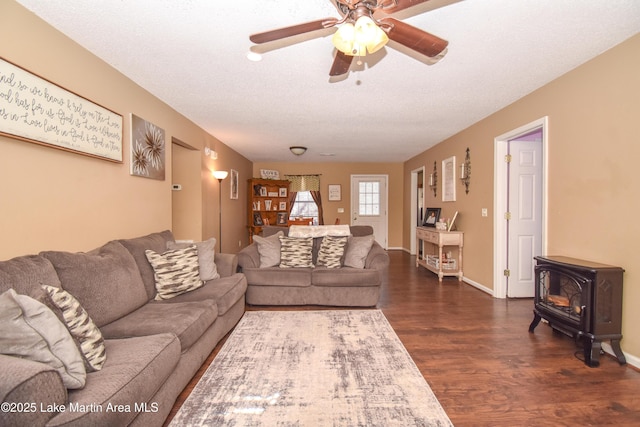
(206, 257)
(331, 251)
(296, 252)
(81, 327)
(176, 271)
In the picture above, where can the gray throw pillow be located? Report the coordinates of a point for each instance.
(269, 249)
(176, 271)
(30, 330)
(206, 257)
(296, 252)
(357, 250)
(331, 251)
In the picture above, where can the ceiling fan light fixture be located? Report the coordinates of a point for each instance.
(356, 40)
(370, 35)
(344, 38)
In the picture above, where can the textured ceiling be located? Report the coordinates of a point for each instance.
(192, 55)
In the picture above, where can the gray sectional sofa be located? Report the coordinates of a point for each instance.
(347, 286)
(153, 348)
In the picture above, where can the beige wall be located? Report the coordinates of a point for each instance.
(593, 185)
(52, 199)
(340, 173)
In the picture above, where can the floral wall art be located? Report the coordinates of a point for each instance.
(147, 149)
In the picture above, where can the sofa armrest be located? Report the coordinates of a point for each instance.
(30, 386)
(227, 264)
(377, 258)
(249, 257)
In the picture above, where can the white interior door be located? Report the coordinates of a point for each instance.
(525, 208)
(369, 204)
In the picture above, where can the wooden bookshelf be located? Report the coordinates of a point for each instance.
(268, 204)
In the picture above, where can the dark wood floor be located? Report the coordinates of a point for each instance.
(483, 365)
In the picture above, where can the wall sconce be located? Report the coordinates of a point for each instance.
(210, 153)
(465, 171)
(433, 180)
(298, 150)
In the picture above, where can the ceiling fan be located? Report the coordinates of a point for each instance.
(364, 27)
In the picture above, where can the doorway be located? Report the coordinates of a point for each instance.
(520, 208)
(369, 204)
(417, 205)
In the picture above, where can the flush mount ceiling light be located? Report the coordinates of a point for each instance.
(298, 150)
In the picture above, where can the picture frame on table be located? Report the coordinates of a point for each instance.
(257, 219)
(431, 217)
(453, 222)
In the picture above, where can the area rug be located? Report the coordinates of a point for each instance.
(312, 368)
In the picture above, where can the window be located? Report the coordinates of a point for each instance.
(304, 206)
(369, 203)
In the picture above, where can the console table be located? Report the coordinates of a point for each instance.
(435, 262)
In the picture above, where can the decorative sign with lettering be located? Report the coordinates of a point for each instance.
(36, 110)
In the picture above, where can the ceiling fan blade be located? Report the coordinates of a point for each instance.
(294, 30)
(413, 38)
(341, 64)
(400, 5)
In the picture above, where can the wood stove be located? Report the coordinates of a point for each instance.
(581, 299)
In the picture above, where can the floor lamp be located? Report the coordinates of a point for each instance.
(220, 175)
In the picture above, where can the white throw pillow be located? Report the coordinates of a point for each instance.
(30, 330)
(176, 271)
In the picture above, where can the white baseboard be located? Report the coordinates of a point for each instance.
(477, 285)
(631, 360)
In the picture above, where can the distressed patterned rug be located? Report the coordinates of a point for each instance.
(312, 368)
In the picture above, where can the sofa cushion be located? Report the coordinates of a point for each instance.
(176, 271)
(331, 251)
(187, 320)
(226, 292)
(345, 276)
(206, 257)
(296, 252)
(135, 370)
(156, 242)
(269, 249)
(26, 274)
(80, 326)
(30, 330)
(105, 281)
(357, 250)
(276, 276)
